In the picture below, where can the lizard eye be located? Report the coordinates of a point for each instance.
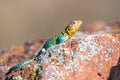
(73, 22)
(72, 25)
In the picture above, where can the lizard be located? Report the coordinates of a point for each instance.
(61, 37)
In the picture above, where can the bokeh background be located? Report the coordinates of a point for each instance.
(22, 20)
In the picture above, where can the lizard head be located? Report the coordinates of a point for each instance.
(73, 27)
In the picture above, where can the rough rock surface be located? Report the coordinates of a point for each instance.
(84, 57)
(15, 54)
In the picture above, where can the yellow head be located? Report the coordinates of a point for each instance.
(73, 27)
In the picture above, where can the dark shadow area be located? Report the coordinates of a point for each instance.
(115, 72)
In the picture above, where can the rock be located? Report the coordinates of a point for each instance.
(84, 57)
(15, 54)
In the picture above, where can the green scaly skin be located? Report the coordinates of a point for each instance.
(57, 39)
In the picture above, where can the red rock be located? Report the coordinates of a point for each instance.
(87, 57)
(15, 54)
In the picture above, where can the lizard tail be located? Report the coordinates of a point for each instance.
(25, 62)
(22, 63)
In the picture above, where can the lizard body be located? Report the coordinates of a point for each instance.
(67, 33)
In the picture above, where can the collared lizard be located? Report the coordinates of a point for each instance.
(66, 34)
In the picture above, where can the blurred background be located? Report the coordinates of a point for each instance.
(22, 20)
